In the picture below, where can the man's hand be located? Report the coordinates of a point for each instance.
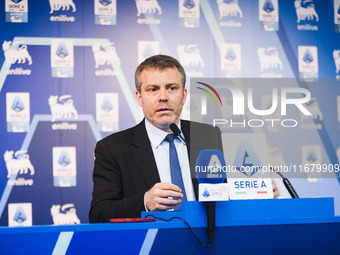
(163, 196)
(275, 190)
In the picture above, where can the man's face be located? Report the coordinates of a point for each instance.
(162, 96)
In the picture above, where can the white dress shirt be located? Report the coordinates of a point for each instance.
(160, 150)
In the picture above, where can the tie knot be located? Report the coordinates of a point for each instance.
(170, 138)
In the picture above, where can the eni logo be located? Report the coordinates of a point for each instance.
(209, 93)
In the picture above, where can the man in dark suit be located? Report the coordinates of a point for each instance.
(132, 170)
(127, 176)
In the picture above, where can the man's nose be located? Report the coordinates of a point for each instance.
(163, 95)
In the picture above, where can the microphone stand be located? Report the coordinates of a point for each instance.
(287, 184)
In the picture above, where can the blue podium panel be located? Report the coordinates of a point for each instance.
(265, 227)
(27, 242)
(108, 242)
(311, 238)
(253, 211)
(175, 238)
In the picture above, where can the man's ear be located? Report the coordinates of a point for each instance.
(139, 98)
(185, 95)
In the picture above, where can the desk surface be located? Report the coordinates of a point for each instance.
(278, 234)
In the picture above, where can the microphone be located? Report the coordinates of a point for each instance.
(210, 159)
(287, 184)
(211, 177)
(177, 132)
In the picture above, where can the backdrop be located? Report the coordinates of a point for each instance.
(67, 80)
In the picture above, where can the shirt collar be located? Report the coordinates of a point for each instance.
(156, 135)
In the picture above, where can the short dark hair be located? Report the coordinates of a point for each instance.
(159, 62)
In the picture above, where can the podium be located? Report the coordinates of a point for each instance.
(271, 226)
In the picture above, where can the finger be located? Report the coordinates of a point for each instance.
(168, 201)
(165, 204)
(169, 193)
(164, 207)
(168, 186)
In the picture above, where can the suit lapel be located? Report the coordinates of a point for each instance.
(143, 155)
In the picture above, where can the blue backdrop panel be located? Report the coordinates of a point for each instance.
(99, 99)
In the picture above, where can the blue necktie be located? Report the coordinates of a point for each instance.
(176, 174)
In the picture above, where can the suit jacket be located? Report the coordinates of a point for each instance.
(125, 168)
